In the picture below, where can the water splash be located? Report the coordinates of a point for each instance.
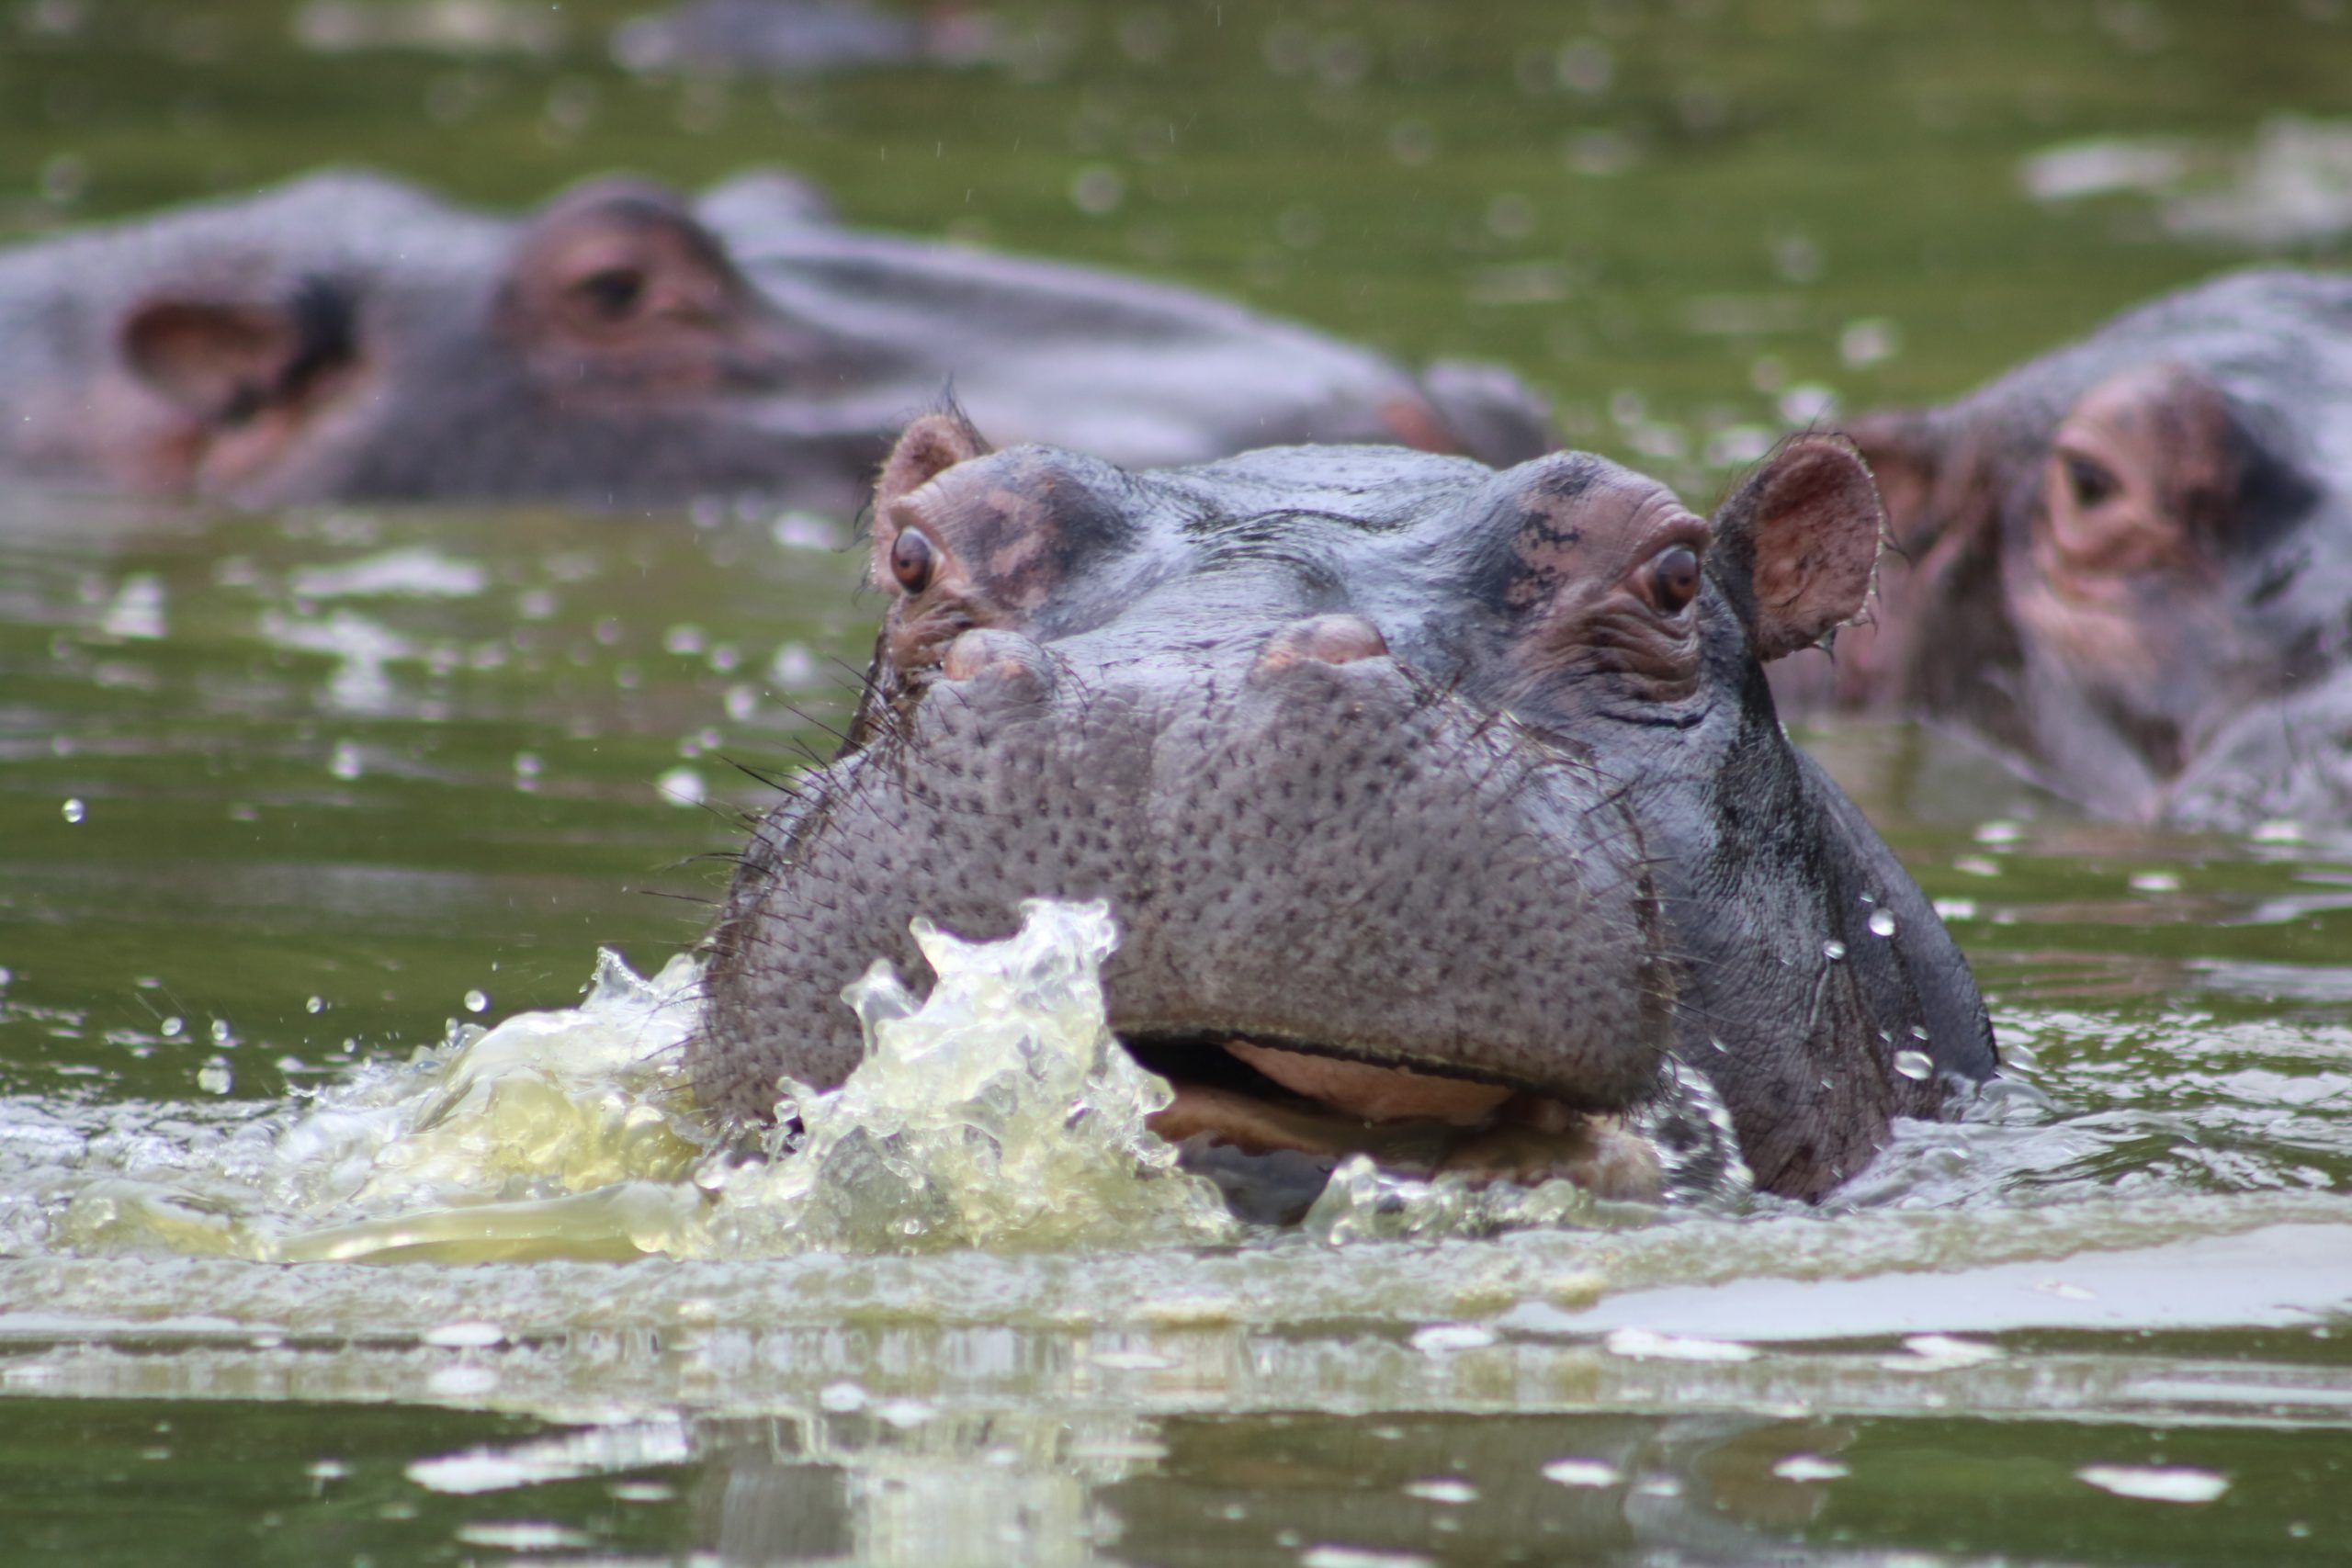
(558, 1134)
(999, 1113)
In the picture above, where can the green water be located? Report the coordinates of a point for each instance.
(314, 816)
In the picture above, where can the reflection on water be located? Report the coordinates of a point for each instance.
(808, 1376)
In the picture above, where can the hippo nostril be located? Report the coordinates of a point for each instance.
(1325, 639)
(989, 651)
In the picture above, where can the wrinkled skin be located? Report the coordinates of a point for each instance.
(1383, 761)
(347, 336)
(2128, 565)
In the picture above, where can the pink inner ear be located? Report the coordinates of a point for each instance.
(930, 447)
(1815, 527)
(207, 356)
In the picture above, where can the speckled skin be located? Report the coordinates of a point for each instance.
(2172, 643)
(345, 336)
(1376, 755)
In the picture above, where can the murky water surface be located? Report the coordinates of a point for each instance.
(348, 1207)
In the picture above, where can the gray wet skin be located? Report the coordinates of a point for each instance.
(348, 336)
(2129, 562)
(1377, 756)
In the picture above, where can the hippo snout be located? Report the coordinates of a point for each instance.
(1325, 860)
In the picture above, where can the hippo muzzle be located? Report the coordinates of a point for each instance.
(1307, 861)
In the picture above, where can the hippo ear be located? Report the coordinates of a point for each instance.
(226, 362)
(1908, 455)
(1796, 548)
(928, 448)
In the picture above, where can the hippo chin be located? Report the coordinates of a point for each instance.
(2128, 565)
(348, 336)
(1443, 810)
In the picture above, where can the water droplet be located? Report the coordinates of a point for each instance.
(841, 1397)
(462, 1381)
(467, 1334)
(345, 763)
(1916, 1066)
(172, 1027)
(1809, 1467)
(2156, 1483)
(1097, 190)
(1583, 1473)
(214, 1076)
(477, 1000)
(74, 811)
(2154, 882)
(1999, 831)
(328, 1470)
(316, 1004)
(1443, 1339)
(794, 665)
(907, 1414)
(1882, 923)
(220, 1032)
(1833, 949)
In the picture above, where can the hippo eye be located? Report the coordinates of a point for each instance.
(1674, 579)
(612, 292)
(2090, 481)
(911, 559)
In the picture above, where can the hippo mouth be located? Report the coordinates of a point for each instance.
(1241, 1097)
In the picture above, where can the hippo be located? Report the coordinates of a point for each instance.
(1438, 806)
(348, 336)
(799, 38)
(2128, 565)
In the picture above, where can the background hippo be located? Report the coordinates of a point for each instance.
(800, 38)
(2129, 562)
(346, 335)
(1384, 761)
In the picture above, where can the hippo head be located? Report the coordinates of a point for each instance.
(348, 336)
(2114, 554)
(1421, 793)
